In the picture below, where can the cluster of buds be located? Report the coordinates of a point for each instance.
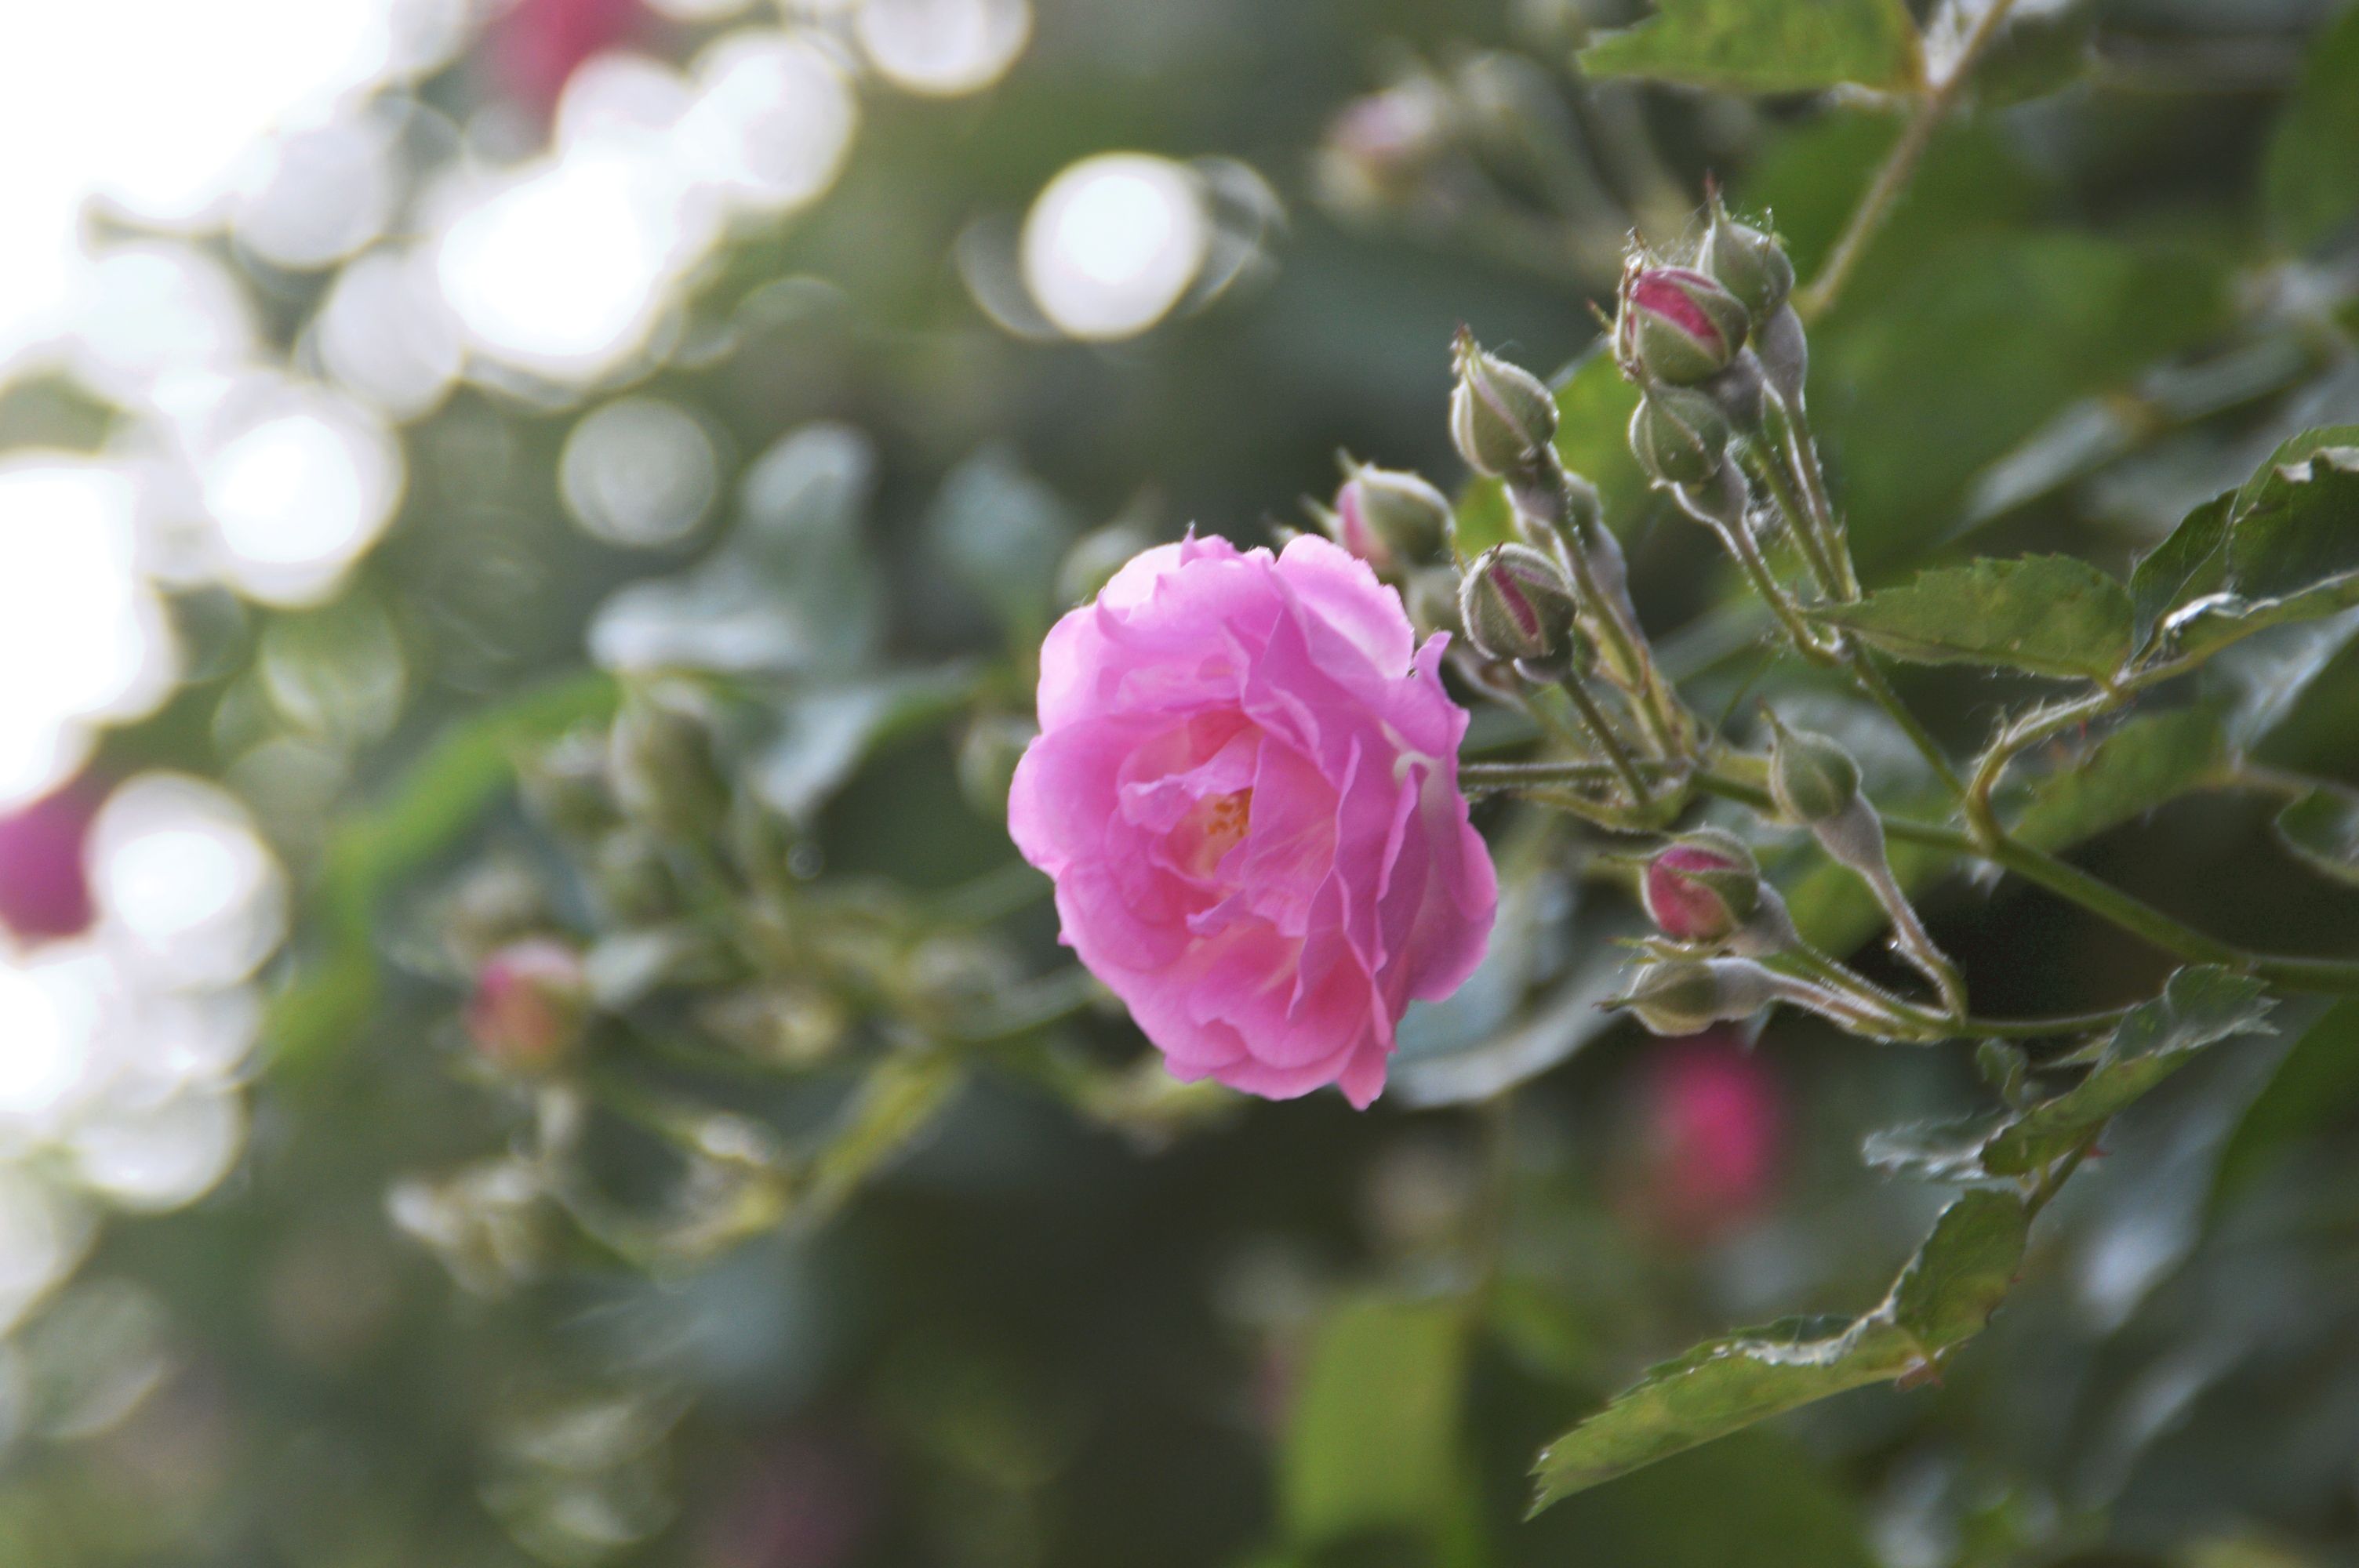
(1702, 340)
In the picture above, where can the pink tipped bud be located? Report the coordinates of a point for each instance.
(44, 882)
(1678, 325)
(1517, 604)
(1389, 518)
(1701, 888)
(530, 1005)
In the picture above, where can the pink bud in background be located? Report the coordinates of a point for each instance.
(44, 881)
(1712, 1121)
(535, 48)
(810, 1503)
(531, 1003)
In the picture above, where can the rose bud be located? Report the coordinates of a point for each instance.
(1713, 1122)
(1688, 996)
(1516, 605)
(1379, 148)
(1750, 265)
(530, 1005)
(1679, 435)
(1813, 778)
(44, 881)
(1389, 518)
(1705, 887)
(1678, 325)
(1501, 417)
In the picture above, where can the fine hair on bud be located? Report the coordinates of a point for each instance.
(1517, 604)
(1687, 996)
(1678, 325)
(1751, 265)
(1679, 435)
(1811, 777)
(1502, 416)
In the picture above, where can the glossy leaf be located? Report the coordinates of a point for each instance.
(2311, 181)
(1373, 1441)
(1943, 1297)
(2198, 1007)
(2047, 615)
(2284, 548)
(2322, 827)
(1765, 45)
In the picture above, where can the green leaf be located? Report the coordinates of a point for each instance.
(2284, 548)
(1943, 1297)
(1765, 45)
(436, 801)
(2049, 615)
(2322, 829)
(1001, 533)
(1918, 390)
(2197, 1007)
(1373, 1441)
(2310, 181)
(1935, 1151)
(2151, 758)
(2313, 1090)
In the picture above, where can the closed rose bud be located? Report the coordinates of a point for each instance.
(1700, 888)
(1501, 417)
(1679, 435)
(1680, 326)
(1813, 778)
(1516, 605)
(1379, 148)
(1389, 518)
(530, 1005)
(44, 881)
(1749, 264)
(1687, 996)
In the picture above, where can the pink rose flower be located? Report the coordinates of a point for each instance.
(1245, 786)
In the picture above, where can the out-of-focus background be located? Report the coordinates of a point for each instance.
(693, 411)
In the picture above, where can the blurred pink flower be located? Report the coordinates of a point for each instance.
(1714, 1125)
(1246, 788)
(530, 1002)
(44, 881)
(537, 47)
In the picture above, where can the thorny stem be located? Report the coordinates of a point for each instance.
(1935, 1027)
(1884, 192)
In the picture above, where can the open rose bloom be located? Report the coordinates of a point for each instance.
(1246, 788)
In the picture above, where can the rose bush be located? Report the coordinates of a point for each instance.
(1246, 788)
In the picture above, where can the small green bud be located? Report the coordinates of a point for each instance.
(662, 765)
(1679, 435)
(1750, 264)
(1813, 777)
(1389, 518)
(1501, 417)
(1678, 325)
(1687, 996)
(1517, 604)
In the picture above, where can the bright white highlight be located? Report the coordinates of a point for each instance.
(386, 334)
(184, 880)
(943, 47)
(298, 492)
(1113, 243)
(80, 631)
(772, 121)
